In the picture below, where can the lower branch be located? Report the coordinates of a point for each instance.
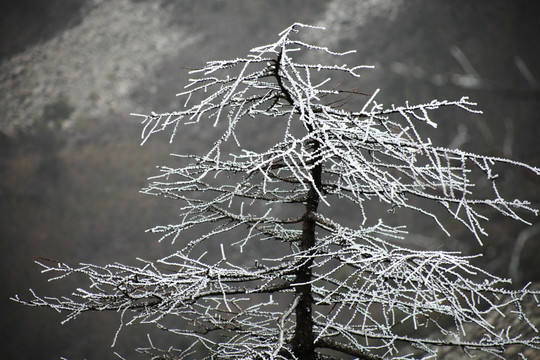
(346, 349)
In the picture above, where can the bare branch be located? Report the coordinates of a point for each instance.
(261, 262)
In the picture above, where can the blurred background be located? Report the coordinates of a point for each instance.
(71, 72)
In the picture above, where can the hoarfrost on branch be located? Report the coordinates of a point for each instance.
(357, 292)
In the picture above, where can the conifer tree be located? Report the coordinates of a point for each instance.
(263, 262)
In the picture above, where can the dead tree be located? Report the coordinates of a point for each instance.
(263, 263)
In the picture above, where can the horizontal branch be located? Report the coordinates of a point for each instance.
(346, 349)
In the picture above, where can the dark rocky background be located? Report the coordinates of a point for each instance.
(71, 166)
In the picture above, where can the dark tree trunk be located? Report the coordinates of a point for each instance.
(304, 341)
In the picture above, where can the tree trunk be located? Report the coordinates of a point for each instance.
(304, 341)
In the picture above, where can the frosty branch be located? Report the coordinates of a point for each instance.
(262, 263)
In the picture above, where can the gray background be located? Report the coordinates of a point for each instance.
(71, 166)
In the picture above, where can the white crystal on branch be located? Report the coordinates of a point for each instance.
(284, 286)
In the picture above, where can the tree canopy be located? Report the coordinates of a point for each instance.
(262, 260)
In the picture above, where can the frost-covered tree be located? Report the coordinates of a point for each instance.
(264, 270)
